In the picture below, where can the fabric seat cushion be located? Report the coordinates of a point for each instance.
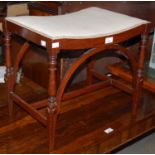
(92, 22)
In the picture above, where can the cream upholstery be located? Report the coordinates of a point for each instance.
(88, 23)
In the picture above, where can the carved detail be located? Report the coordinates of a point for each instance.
(8, 44)
(7, 37)
(9, 71)
(140, 73)
(143, 41)
(52, 59)
(52, 62)
(52, 104)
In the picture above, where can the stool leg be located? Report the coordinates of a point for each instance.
(139, 80)
(59, 70)
(52, 104)
(9, 71)
(52, 117)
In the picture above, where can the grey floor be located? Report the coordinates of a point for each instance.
(144, 145)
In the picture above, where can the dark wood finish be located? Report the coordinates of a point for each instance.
(80, 128)
(35, 70)
(140, 76)
(122, 86)
(29, 108)
(129, 8)
(40, 9)
(9, 71)
(86, 89)
(146, 11)
(3, 9)
(52, 92)
(22, 51)
(29, 66)
(120, 71)
(44, 8)
(55, 89)
(52, 110)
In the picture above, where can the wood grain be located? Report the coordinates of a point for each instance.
(80, 128)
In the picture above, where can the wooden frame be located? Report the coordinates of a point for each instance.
(56, 89)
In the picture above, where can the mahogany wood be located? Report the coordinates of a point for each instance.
(44, 8)
(56, 90)
(9, 71)
(90, 68)
(52, 91)
(87, 55)
(86, 89)
(129, 8)
(35, 70)
(29, 65)
(119, 70)
(82, 134)
(28, 108)
(122, 86)
(39, 104)
(100, 76)
(139, 79)
(18, 60)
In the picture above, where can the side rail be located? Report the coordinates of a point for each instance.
(88, 54)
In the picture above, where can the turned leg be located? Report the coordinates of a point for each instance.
(52, 103)
(59, 69)
(52, 117)
(9, 71)
(140, 76)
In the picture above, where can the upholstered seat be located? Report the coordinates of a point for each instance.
(77, 28)
(88, 23)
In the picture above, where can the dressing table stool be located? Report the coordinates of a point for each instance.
(94, 30)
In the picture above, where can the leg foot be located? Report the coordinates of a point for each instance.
(52, 118)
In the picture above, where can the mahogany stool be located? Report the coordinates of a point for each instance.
(92, 29)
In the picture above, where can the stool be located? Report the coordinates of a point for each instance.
(92, 29)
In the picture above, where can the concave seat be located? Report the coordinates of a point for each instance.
(88, 23)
